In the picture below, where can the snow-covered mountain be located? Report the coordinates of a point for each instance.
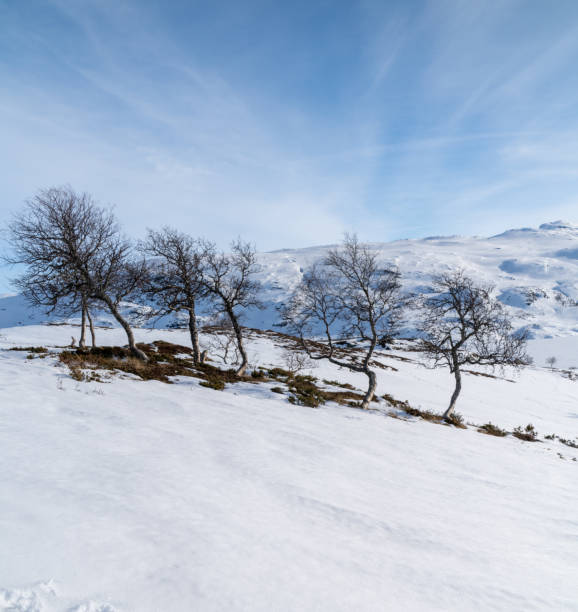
(535, 272)
(120, 494)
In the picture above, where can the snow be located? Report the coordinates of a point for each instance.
(518, 262)
(144, 496)
(133, 495)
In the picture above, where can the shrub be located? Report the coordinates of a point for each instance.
(163, 363)
(305, 378)
(278, 390)
(492, 430)
(305, 392)
(335, 383)
(402, 405)
(529, 434)
(30, 349)
(570, 443)
(279, 373)
(76, 373)
(455, 419)
(427, 415)
(213, 383)
(258, 375)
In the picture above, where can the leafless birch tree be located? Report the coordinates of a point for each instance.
(229, 279)
(175, 281)
(463, 324)
(71, 248)
(350, 294)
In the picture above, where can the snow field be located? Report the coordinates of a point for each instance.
(134, 495)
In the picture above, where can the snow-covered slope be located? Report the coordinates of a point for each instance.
(535, 272)
(144, 496)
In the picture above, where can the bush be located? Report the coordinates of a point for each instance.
(427, 415)
(455, 419)
(30, 349)
(258, 375)
(164, 361)
(214, 383)
(335, 383)
(529, 434)
(279, 373)
(492, 430)
(278, 390)
(305, 392)
(305, 378)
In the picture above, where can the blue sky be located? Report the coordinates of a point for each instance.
(291, 122)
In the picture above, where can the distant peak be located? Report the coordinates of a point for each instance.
(545, 227)
(554, 225)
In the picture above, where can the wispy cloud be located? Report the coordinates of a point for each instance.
(292, 123)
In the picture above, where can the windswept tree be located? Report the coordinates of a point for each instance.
(461, 323)
(175, 281)
(63, 295)
(229, 279)
(73, 250)
(350, 294)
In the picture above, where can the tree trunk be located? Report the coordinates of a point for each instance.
(116, 314)
(370, 389)
(91, 326)
(81, 342)
(455, 394)
(194, 334)
(239, 335)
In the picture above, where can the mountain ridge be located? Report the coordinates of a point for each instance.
(534, 272)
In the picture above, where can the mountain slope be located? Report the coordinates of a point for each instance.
(144, 496)
(535, 272)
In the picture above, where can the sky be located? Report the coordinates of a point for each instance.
(290, 123)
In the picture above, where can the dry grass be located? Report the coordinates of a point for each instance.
(335, 383)
(492, 430)
(30, 349)
(405, 406)
(455, 419)
(528, 434)
(569, 443)
(163, 364)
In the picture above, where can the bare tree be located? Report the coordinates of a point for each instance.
(229, 281)
(297, 360)
(222, 340)
(175, 281)
(350, 294)
(551, 362)
(462, 323)
(72, 248)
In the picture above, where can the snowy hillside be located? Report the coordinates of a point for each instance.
(120, 492)
(130, 495)
(535, 272)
